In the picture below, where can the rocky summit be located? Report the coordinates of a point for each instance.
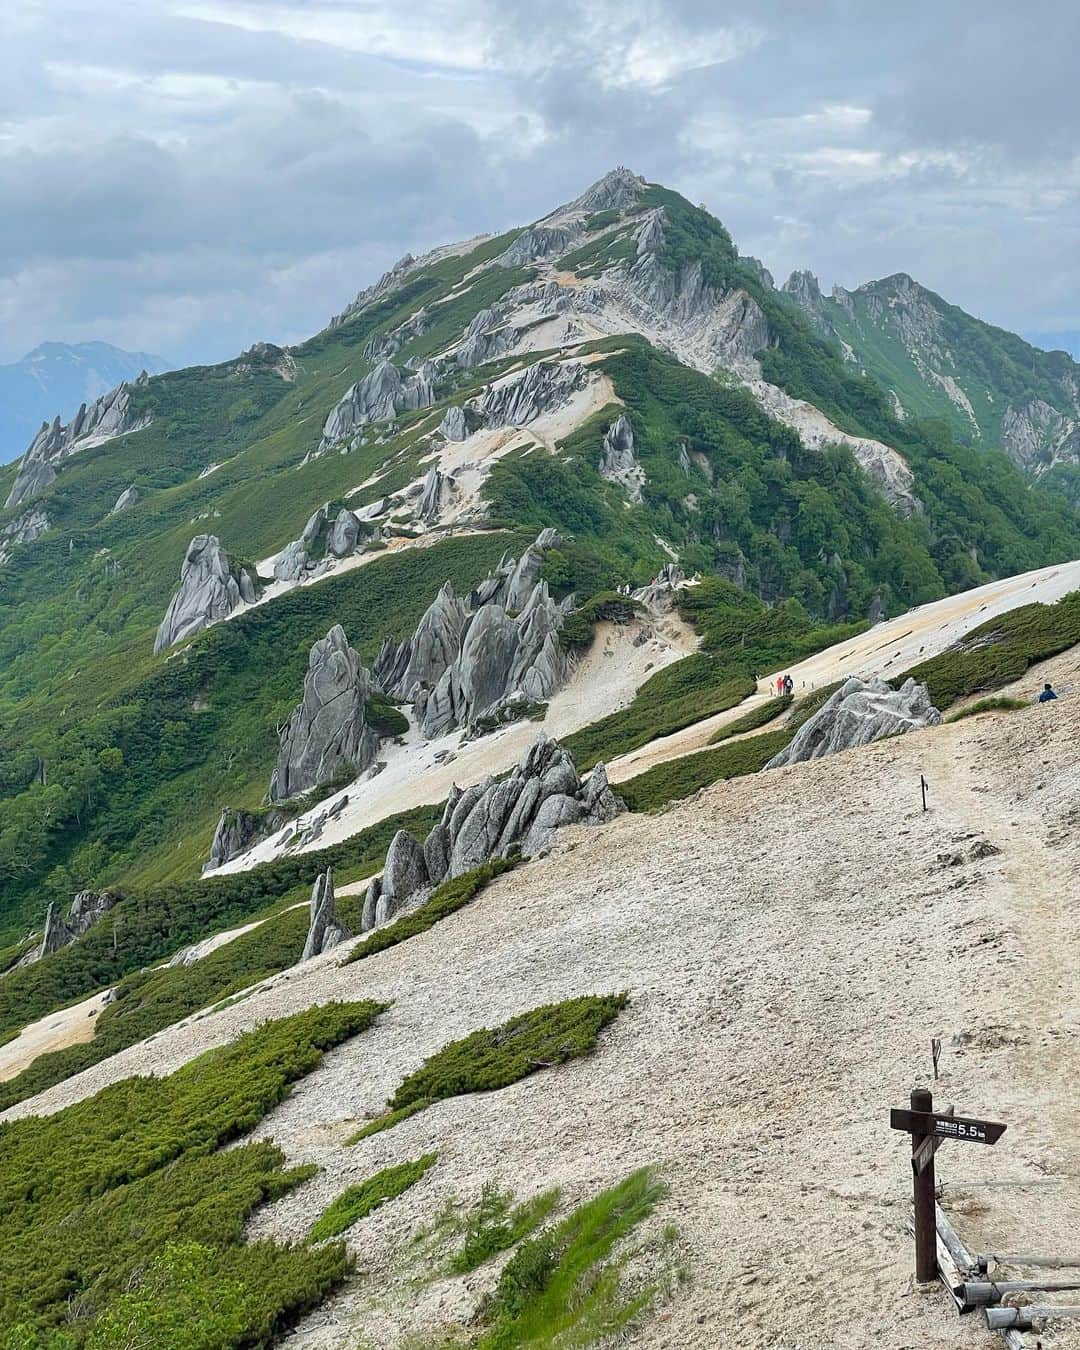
(533, 739)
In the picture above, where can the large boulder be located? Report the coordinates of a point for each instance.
(210, 589)
(379, 396)
(328, 731)
(492, 819)
(618, 463)
(859, 712)
(86, 908)
(325, 931)
(521, 398)
(239, 830)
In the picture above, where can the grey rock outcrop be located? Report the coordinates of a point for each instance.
(325, 930)
(210, 589)
(522, 398)
(453, 425)
(859, 712)
(86, 908)
(619, 189)
(539, 241)
(328, 731)
(486, 655)
(322, 538)
(238, 830)
(1036, 436)
(379, 396)
(127, 499)
(492, 819)
(24, 529)
(438, 488)
(486, 338)
(108, 416)
(618, 463)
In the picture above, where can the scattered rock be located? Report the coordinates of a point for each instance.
(327, 732)
(210, 589)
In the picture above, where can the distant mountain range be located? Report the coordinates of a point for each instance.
(54, 379)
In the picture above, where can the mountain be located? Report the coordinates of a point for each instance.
(54, 379)
(1066, 340)
(532, 673)
(567, 409)
(994, 389)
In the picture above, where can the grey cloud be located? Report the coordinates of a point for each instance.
(143, 206)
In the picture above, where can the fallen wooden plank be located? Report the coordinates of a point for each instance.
(998, 1319)
(983, 1292)
(984, 1260)
(948, 1272)
(960, 1254)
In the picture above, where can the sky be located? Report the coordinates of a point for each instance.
(190, 176)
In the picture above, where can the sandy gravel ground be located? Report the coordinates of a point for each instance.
(790, 944)
(54, 1031)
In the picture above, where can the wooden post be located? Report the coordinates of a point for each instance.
(923, 784)
(926, 1265)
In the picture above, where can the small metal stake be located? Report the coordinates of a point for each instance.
(935, 1051)
(924, 785)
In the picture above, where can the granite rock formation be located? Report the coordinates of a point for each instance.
(325, 931)
(328, 731)
(484, 655)
(238, 830)
(210, 589)
(859, 712)
(492, 819)
(617, 461)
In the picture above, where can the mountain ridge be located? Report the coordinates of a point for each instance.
(616, 372)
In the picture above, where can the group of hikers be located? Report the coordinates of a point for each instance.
(784, 684)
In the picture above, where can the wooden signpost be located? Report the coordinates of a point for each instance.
(929, 1129)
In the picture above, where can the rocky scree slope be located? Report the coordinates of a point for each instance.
(624, 304)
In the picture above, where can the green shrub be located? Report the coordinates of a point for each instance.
(679, 778)
(492, 1059)
(384, 717)
(999, 651)
(562, 1287)
(495, 1223)
(756, 717)
(358, 1201)
(101, 1202)
(444, 900)
(998, 704)
(387, 1121)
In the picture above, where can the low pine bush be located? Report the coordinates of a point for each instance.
(679, 778)
(989, 705)
(756, 717)
(358, 1201)
(495, 1224)
(491, 1059)
(131, 1191)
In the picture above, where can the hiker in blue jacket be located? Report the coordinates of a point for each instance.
(1047, 693)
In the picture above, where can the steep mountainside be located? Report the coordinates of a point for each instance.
(55, 378)
(994, 389)
(540, 420)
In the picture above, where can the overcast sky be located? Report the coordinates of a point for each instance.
(188, 176)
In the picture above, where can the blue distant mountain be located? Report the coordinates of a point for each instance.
(54, 379)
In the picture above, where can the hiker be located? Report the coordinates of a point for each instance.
(779, 684)
(1047, 693)
(789, 684)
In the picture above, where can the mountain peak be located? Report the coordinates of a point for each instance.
(616, 190)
